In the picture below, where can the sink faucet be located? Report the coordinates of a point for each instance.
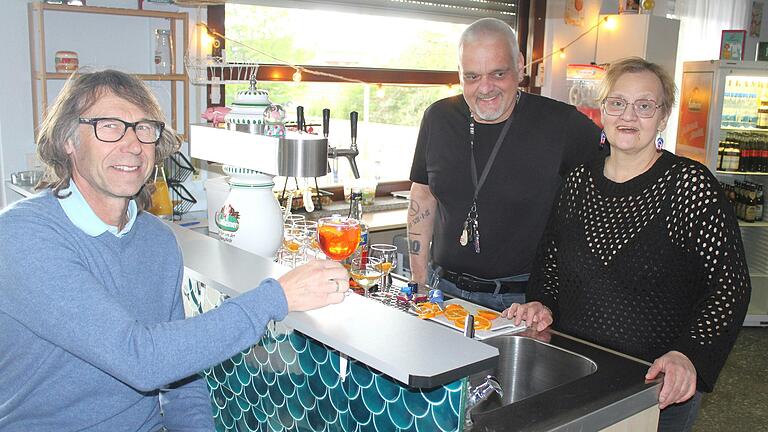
(480, 393)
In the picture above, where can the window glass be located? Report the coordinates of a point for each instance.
(389, 116)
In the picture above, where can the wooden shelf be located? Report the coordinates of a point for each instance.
(107, 11)
(145, 77)
(38, 59)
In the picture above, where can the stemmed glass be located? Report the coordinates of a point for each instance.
(293, 240)
(311, 248)
(293, 219)
(338, 236)
(365, 270)
(387, 254)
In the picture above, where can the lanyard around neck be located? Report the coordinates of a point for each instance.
(479, 184)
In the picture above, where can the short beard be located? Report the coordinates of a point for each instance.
(490, 116)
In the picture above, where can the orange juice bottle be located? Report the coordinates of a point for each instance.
(161, 197)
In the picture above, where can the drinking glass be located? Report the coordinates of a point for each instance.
(365, 271)
(387, 254)
(292, 219)
(311, 247)
(293, 240)
(338, 236)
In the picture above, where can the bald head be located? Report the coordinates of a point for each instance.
(488, 29)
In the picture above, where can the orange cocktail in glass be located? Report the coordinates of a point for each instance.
(338, 237)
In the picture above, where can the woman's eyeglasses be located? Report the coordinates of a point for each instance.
(644, 108)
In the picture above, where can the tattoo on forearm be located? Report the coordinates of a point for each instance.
(413, 209)
(419, 217)
(414, 247)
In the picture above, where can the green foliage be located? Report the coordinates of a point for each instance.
(433, 47)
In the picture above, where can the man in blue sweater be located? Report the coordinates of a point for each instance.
(92, 328)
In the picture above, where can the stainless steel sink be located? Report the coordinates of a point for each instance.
(528, 367)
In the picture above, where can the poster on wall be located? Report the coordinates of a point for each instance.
(732, 44)
(695, 98)
(757, 19)
(574, 12)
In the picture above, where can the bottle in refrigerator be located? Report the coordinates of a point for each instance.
(759, 203)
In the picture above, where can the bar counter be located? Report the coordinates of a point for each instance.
(361, 365)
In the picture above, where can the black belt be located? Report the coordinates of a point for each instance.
(468, 282)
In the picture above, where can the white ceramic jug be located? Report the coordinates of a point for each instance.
(250, 218)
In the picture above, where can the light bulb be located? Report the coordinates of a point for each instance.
(610, 23)
(562, 53)
(206, 41)
(297, 75)
(380, 91)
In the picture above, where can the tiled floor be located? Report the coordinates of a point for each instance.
(740, 400)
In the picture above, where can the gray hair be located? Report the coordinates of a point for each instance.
(486, 27)
(62, 120)
(636, 65)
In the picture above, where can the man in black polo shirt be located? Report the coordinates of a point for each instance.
(486, 169)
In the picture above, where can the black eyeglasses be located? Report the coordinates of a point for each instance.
(111, 130)
(644, 108)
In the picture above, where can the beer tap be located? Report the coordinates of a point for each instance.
(326, 125)
(301, 124)
(352, 151)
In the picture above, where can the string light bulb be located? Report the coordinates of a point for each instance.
(380, 91)
(297, 76)
(610, 23)
(562, 53)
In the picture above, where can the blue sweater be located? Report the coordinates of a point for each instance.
(92, 329)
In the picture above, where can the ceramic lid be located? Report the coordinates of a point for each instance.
(249, 105)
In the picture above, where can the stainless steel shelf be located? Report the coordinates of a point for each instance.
(749, 173)
(743, 129)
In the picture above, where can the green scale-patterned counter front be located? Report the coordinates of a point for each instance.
(290, 382)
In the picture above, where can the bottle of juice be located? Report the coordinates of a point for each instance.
(161, 196)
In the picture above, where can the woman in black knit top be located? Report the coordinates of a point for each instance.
(642, 253)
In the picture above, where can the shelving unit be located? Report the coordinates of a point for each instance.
(41, 75)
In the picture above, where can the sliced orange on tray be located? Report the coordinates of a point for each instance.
(488, 314)
(428, 310)
(481, 323)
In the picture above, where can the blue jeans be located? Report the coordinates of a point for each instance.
(497, 302)
(680, 417)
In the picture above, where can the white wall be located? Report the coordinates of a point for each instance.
(68, 31)
(750, 49)
(557, 34)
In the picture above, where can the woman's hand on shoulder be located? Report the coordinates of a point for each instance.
(535, 315)
(679, 378)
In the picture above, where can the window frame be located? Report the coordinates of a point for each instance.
(530, 18)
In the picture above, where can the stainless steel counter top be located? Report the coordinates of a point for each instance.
(412, 351)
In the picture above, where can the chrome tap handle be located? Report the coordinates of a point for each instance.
(353, 128)
(326, 121)
(301, 124)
